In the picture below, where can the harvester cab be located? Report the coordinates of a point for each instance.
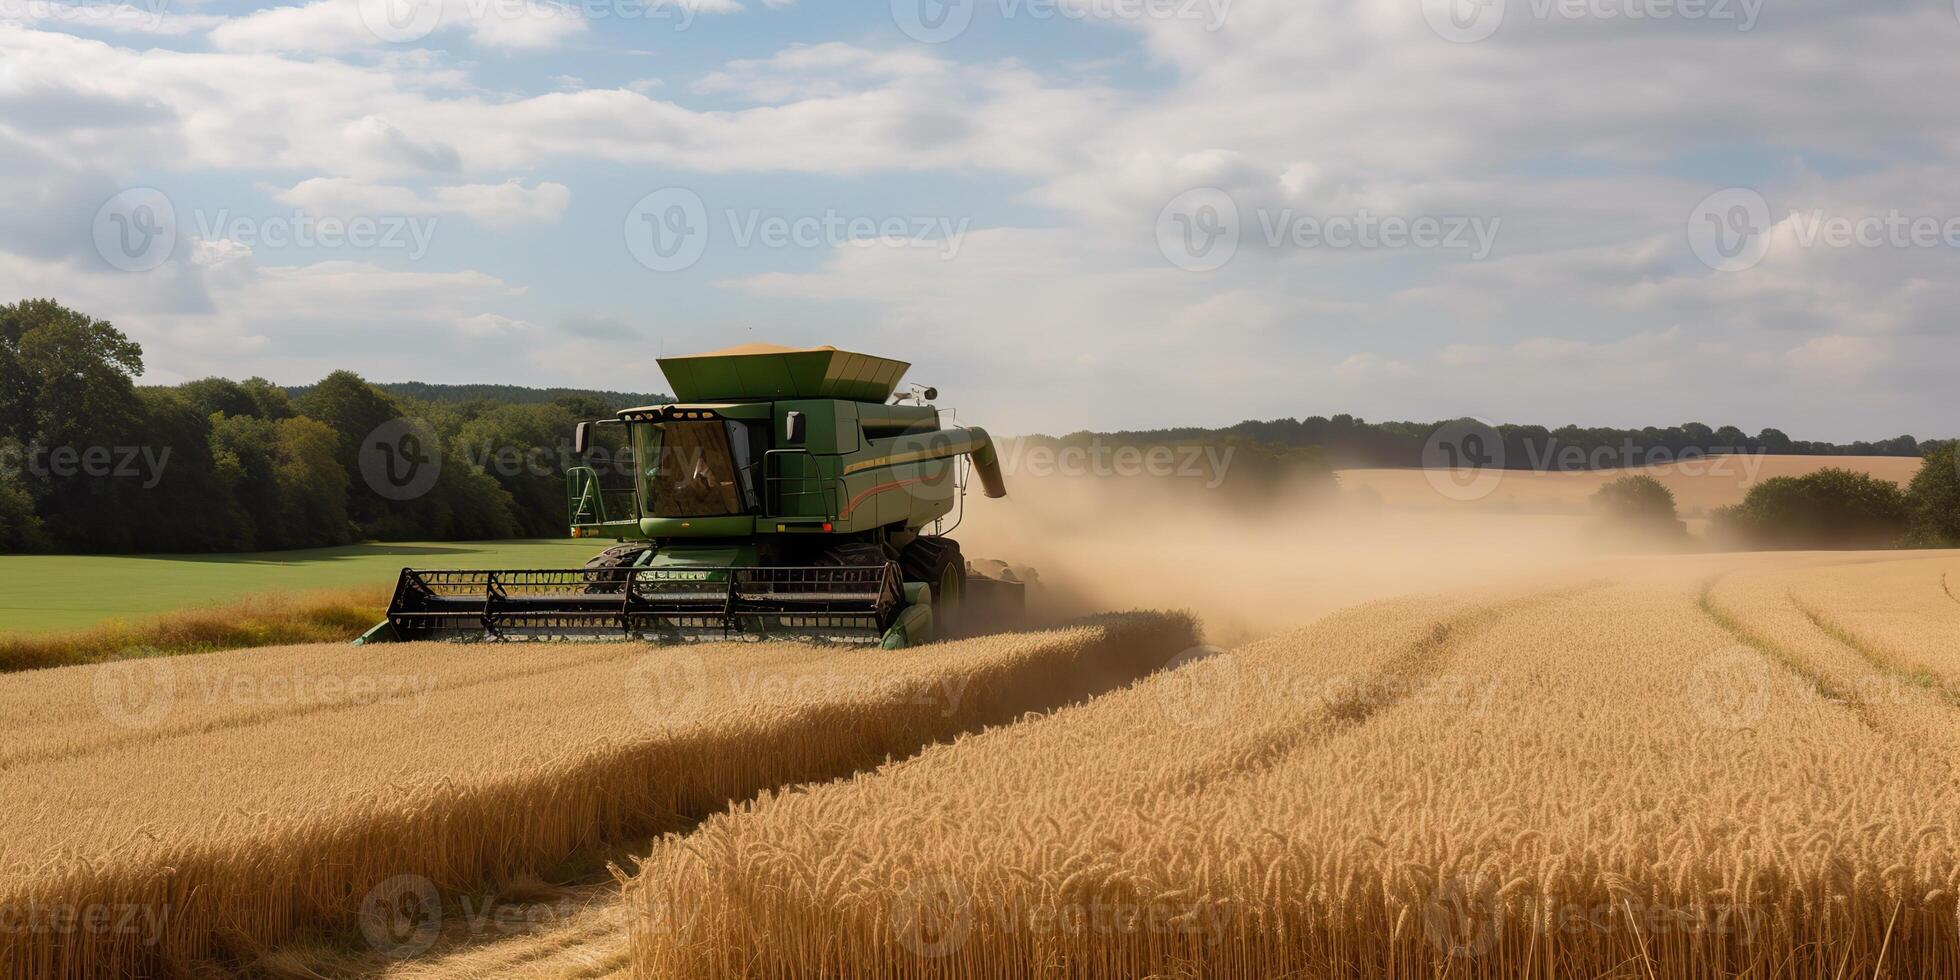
(784, 494)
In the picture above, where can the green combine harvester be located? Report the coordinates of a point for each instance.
(786, 494)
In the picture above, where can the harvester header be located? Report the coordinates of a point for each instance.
(784, 494)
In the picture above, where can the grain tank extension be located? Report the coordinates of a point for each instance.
(786, 494)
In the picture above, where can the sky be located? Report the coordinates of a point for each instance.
(1067, 214)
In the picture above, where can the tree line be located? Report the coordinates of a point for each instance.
(92, 462)
(1345, 441)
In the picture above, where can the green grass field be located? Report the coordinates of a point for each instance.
(58, 593)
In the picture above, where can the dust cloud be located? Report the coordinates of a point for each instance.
(1252, 563)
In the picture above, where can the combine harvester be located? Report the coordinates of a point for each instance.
(786, 495)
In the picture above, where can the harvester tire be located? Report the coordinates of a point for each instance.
(938, 563)
(618, 556)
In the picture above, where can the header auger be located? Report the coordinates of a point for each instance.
(784, 495)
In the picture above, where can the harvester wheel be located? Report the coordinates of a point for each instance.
(600, 581)
(938, 562)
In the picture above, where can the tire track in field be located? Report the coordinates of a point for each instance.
(1386, 686)
(1789, 659)
(1887, 663)
(1947, 587)
(274, 715)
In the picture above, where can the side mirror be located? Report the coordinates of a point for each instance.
(581, 438)
(795, 428)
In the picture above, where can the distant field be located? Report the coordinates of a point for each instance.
(1699, 485)
(53, 593)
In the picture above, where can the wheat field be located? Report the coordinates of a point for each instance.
(1704, 767)
(167, 814)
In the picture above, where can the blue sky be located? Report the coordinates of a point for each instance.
(1144, 212)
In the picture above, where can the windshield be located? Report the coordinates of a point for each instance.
(693, 469)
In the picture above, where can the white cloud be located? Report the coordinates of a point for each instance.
(491, 205)
(153, 17)
(338, 27)
(1369, 365)
(241, 111)
(215, 309)
(490, 325)
(806, 71)
(1837, 357)
(1592, 142)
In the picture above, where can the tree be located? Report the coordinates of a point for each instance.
(1637, 508)
(269, 401)
(68, 400)
(217, 395)
(354, 410)
(1831, 508)
(20, 527)
(311, 486)
(525, 449)
(243, 454)
(1934, 497)
(76, 374)
(178, 504)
